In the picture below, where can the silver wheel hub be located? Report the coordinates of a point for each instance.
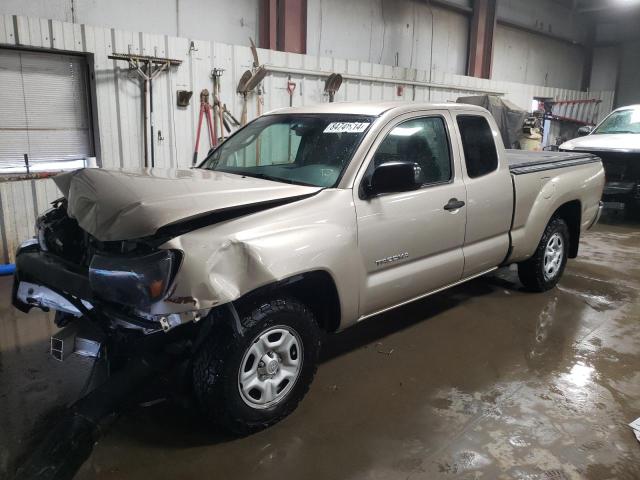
(269, 364)
(270, 367)
(553, 256)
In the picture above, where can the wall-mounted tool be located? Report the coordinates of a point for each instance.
(183, 98)
(229, 118)
(148, 68)
(205, 111)
(257, 67)
(291, 87)
(218, 116)
(332, 85)
(249, 81)
(242, 90)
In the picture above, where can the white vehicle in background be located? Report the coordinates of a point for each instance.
(616, 140)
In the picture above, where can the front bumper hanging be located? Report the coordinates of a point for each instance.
(46, 281)
(41, 278)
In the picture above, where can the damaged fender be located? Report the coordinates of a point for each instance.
(228, 260)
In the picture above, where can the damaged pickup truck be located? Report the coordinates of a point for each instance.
(306, 221)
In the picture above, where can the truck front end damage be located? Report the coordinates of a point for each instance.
(109, 302)
(118, 287)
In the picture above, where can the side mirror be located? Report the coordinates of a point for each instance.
(585, 130)
(393, 177)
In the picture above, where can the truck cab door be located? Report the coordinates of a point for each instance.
(489, 192)
(411, 242)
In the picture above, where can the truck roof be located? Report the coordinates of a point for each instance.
(374, 108)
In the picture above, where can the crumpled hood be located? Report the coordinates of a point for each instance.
(613, 142)
(129, 204)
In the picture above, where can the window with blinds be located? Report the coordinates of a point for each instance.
(44, 112)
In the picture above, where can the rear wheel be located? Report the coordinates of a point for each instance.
(247, 382)
(543, 270)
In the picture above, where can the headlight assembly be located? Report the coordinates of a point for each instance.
(134, 281)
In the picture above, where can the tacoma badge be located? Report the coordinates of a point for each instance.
(392, 258)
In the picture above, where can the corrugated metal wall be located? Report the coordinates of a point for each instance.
(119, 102)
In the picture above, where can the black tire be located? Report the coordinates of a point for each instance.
(217, 363)
(531, 272)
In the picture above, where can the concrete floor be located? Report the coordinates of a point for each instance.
(483, 381)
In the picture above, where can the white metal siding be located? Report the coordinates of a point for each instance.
(14, 141)
(43, 108)
(119, 105)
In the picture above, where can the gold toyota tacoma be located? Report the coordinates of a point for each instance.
(306, 220)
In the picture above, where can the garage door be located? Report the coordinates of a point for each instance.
(44, 111)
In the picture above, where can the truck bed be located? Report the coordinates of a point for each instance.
(524, 161)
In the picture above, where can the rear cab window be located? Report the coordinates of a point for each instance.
(480, 155)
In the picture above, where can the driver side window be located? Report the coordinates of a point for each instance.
(422, 141)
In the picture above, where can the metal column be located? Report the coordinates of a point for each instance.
(483, 25)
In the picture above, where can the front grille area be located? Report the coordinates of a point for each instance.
(620, 166)
(61, 235)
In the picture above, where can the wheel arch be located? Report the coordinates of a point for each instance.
(316, 289)
(571, 213)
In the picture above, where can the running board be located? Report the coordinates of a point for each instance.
(424, 295)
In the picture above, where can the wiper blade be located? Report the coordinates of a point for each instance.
(262, 176)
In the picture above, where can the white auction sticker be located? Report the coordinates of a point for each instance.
(346, 127)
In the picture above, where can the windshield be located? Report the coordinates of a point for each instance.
(621, 121)
(302, 149)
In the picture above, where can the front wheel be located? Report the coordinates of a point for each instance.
(543, 270)
(247, 382)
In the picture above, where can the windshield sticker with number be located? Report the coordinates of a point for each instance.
(346, 127)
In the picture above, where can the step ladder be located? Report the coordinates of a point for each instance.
(584, 112)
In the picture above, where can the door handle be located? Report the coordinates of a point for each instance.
(454, 204)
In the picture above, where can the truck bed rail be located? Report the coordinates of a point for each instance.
(522, 161)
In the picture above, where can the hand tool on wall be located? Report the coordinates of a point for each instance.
(205, 110)
(148, 68)
(255, 69)
(242, 90)
(249, 81)
(332, 85)
(228, 120)
(218, 115)
(291, 87)
(214, 108)
(229, 116)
